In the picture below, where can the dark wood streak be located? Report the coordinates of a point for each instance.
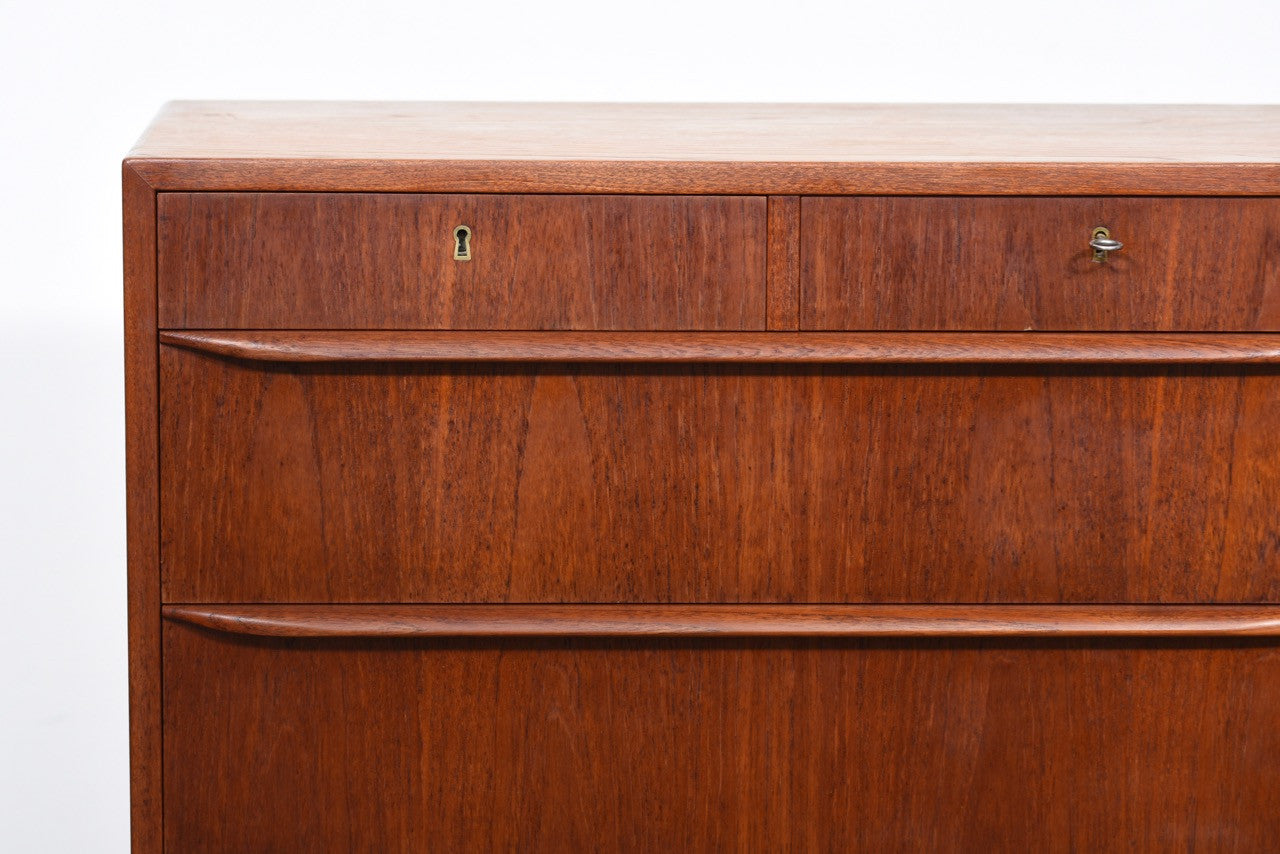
(738, 347)
(409, 621)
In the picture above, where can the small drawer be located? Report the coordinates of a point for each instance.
(386, 260)
(973, 263)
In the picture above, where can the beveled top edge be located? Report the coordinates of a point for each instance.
(714, 133)
(713, 148)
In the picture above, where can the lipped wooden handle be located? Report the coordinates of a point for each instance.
(411, 621)
(745, 347)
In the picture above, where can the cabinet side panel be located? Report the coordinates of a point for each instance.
(141, 471)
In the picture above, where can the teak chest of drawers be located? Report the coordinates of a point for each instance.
(704, 478)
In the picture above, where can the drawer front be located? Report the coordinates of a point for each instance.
(626, 745)
(965, 263)
(366, 261)
(615, 483)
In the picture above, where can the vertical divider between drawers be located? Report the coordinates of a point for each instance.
(782, 282)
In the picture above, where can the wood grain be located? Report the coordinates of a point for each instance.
(1025, 263)
(141, 394)
(410, 621)
(700, 510)
(785, 241)
(777, 149)
(735, 347)
(369, 261)
(688, 745)
(717, 483)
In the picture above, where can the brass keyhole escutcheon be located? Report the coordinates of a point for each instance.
(1103, 244)
(462, 243)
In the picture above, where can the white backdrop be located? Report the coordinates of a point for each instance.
(79, 80)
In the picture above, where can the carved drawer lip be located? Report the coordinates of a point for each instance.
(745, 347)
(417, 621)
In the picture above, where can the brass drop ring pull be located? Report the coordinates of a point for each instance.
(1102, 242)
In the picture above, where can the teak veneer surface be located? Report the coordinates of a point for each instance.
(385, 260)
(713, 148)
(773, 477)
(655, 483)
(702, 745)
(141, 400)
(937, 263)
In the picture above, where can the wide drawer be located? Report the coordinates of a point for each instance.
(966, 263)
(704, 745)
(378, 482)
(387, 260)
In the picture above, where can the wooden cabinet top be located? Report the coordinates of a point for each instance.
(712, 148)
